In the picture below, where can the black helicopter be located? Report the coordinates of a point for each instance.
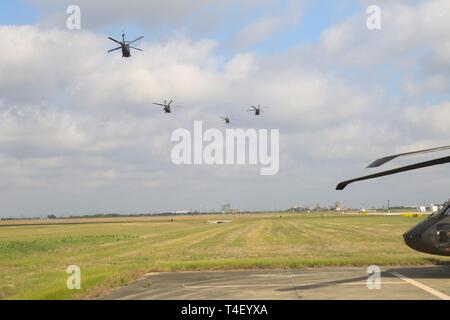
(431, 236)
(257, 110)
(166, 106)
(125, 46)
(226, 119)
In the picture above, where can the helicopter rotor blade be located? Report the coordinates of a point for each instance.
(115, 49)
(159, 104)
(136, 48)
(381, 161)
(115, 40)
(344, 184)
(135, 40)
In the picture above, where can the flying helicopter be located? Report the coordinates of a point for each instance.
(257, 110)
(167, 107)
(125, 46)
(226, 119)
(432, 235)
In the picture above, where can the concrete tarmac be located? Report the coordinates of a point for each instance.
(396, 283)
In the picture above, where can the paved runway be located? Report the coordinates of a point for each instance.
(409, 283)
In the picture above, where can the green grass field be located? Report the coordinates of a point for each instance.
(34, 258)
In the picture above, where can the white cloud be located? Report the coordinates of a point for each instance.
(431, 119)
(87, 117)
(79, 120)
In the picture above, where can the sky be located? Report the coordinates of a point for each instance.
(79, 133)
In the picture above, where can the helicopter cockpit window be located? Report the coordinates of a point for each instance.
(443, 236)
(441, 213)
(446, 212)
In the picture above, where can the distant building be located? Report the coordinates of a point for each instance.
(298, 209)
(434, 208)
(180, 212)
(226, 208)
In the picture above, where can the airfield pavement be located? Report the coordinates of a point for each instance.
(350, 283)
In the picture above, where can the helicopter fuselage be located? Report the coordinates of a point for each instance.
(125, 46)
(126, 52)
(432, 236)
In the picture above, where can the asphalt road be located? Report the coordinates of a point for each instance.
(408, 283)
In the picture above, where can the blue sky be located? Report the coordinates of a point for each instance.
(316, 17)
(14, 12)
